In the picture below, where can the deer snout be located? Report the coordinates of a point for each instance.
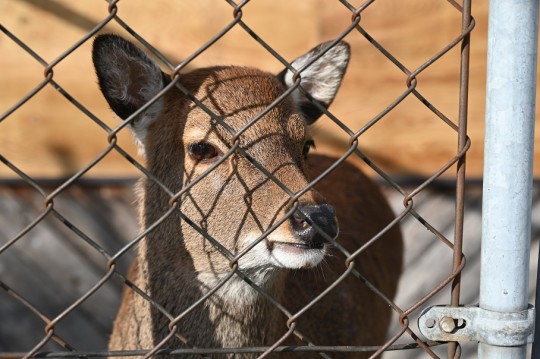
(308, 222)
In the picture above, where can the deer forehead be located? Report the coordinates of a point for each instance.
(237, 95)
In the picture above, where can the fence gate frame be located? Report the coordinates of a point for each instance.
(503, 323)
(509, 149)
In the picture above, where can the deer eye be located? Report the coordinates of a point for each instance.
(307, 147)
(202, 151)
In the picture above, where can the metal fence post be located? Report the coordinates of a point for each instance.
(509, 142)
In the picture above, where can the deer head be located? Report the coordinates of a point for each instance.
(236, 202)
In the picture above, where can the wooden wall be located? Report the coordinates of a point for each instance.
(49, 137)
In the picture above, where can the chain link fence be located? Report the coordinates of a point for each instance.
(403, 338)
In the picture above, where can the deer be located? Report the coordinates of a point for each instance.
(253, 197)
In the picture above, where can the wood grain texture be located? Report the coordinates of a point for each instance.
(49, 137)
(51, 266)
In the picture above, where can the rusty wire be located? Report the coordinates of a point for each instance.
(411, 82)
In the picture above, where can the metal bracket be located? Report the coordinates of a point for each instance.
(442, 323)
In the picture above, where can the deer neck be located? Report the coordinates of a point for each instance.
(235, 314)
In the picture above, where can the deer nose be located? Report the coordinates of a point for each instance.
(322, 216)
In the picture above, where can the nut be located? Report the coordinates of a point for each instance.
(447, 324)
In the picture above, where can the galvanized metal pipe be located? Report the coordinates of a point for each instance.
(509, 142)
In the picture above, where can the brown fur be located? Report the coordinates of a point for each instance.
(172, 255)
(235, 203)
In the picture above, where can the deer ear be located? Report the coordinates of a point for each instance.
(128, 79)
(321, 79)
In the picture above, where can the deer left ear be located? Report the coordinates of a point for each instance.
(128, 79)
(321, 79)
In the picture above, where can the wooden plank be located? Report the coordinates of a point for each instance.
(49, 137)
(51, 267)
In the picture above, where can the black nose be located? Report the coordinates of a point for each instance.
(322, 216)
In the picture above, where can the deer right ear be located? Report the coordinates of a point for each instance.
(128, 79)
(321, 80)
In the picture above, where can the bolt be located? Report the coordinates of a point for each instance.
(447, 324)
